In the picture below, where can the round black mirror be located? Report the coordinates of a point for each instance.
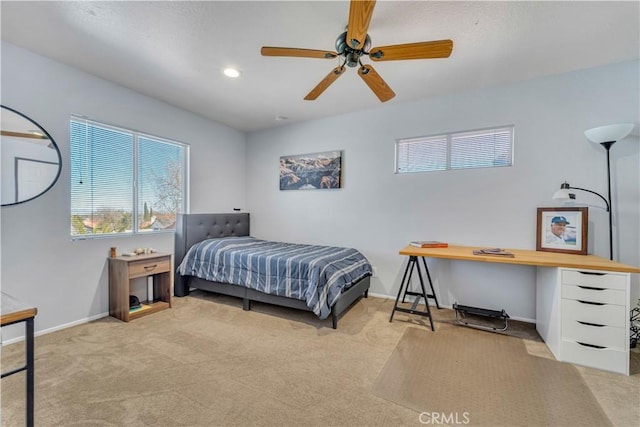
(31, 160)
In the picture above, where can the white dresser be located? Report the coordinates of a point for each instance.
(583, 316)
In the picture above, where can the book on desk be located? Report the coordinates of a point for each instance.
(494, 252)
(429, 244)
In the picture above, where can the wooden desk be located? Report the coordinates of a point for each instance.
(522, 257)
(13, 311)
(582, 301)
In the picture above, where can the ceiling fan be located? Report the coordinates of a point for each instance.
(32, 135)
(354, 43)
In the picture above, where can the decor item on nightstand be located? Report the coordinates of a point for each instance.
(562, 230)
(605, 136)
(316, 171)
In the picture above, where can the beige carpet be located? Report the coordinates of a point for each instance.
(486, 379)
(206, 362)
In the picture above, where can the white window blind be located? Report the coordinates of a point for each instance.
(461, 150)
(124, 182)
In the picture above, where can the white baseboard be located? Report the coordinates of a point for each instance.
(57, 328)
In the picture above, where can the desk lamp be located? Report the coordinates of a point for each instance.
(605, 136)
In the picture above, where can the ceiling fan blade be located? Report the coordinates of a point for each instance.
(376, 83)
(360, 12)
(325, 83)
(22, 135)
(302, 53)
(421, 50)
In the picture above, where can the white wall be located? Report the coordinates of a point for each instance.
(379, 212)
(40, 265)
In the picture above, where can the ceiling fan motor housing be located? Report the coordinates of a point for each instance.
(351, 56)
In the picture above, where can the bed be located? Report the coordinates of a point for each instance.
(215, 253)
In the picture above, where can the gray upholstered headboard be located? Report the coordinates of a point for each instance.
(194, 228)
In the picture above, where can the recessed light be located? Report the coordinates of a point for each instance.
(279, 118)
(231, 72)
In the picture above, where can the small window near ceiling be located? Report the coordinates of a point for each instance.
(486, 148)
(124, 182)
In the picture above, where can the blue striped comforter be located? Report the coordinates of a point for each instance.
(314, 274)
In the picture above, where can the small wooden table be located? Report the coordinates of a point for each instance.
(123, 269)
(13, 311)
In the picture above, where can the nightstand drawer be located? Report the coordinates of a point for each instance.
(593, 294)
(609, 359)
(605, 314)
(596, 280)
(148, 267)
(603, 336)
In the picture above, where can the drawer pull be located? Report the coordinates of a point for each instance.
(592, 273)
(599, 347)
(590, 324)
(150, 267)
(590, 302)
(591, 288)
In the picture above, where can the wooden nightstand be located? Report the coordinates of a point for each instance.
(123, 269)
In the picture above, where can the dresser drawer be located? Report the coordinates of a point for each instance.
(606, 314)
(603, 336)
(609, 359)
(596, 280)
(592, 294)
(147, 267)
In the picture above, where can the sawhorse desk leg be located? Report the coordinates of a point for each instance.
(404, 286)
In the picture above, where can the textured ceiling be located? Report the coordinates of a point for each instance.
(175, 51)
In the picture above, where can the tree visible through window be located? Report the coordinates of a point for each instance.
(123, 182)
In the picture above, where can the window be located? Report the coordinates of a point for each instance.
(485, 148)
(124, 182)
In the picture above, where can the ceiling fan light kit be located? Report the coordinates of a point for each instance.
(354, 43)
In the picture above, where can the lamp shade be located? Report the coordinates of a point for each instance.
(562, 194)
(609, 133)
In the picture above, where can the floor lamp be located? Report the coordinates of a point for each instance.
(605, 136)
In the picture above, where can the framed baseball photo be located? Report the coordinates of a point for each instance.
(562, 230)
